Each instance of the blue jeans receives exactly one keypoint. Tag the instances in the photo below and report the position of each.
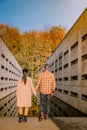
(45, 103)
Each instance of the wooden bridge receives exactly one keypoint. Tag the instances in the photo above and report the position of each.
(55, 123)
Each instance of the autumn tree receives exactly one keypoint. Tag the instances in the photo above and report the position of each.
(32, 49)
(11, 37)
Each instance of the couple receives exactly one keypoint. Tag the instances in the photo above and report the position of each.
(46, 83)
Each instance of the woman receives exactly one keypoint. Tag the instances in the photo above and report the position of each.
(24, 94)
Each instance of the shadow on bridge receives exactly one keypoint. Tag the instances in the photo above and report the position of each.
(70, 123)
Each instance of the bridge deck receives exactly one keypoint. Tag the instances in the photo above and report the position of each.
(59, 123)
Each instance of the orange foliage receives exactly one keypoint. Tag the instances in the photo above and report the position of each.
(32, 48)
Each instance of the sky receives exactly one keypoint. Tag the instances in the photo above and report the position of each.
(28, 15)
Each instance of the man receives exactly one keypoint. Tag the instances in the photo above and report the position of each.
(46, 83)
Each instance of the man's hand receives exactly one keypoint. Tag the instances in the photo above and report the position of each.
(52, 94)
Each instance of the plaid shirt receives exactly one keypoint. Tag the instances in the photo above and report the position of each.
(46, 82)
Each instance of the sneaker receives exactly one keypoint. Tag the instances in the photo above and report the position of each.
(25, 118)
(20, 118)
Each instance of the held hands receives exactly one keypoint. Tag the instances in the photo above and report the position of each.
(36, 88)
(35, 93)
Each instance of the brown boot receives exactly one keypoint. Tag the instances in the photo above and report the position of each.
(46, 117)
(41, 117)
